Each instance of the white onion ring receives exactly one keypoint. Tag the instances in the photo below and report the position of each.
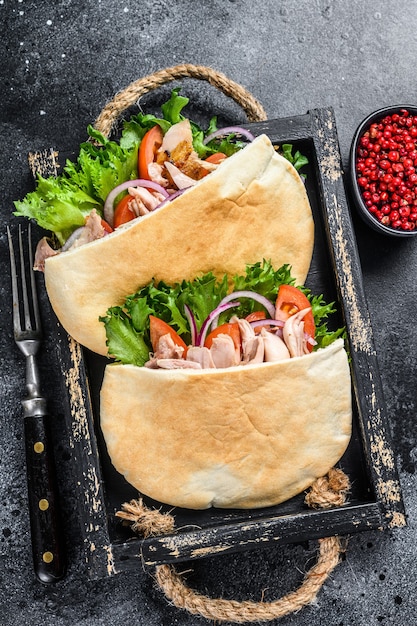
(108, 209)
(229, 130)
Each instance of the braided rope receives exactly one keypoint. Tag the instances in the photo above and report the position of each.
(330, 490)
(128, 96)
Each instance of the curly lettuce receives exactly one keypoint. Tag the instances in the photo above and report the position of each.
(61, 204)
(127, 326)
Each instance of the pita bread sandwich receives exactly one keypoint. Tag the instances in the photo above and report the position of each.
(181, 204)
(242, 413)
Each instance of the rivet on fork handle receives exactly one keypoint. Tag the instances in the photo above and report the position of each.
(47, 545)
(47, 539)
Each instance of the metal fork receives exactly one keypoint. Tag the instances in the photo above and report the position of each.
(47, 542)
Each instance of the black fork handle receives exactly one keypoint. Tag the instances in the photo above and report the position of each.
(45, 520)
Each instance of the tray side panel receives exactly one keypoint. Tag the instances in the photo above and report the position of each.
(365, 373)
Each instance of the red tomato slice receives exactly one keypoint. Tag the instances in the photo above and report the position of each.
(254, 317)
(106, 226)
(123, 213)
(231, 329)
(290, 300)
(158, 328)
(151, 141)
(216, 159)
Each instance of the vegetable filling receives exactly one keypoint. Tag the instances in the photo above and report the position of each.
(198, 324)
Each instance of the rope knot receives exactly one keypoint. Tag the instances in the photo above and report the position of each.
(330, 490)
(144, 521)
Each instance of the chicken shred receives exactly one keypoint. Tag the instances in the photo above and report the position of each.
(43, 251)
(177, 150)
(223, 351)
(293, 333)
(175, 364)
(252, 344)
(274, 346)
(201, 355)
(92, 230)
(166, 350)
(144, 201)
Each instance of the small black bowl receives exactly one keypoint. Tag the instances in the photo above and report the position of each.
(355, 189)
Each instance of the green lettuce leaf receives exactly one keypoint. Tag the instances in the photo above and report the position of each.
(297, 159)
(60, 204)
(123, 340)
(127, 326)
(57, 206)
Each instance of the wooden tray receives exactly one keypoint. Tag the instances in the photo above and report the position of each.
(375, 501)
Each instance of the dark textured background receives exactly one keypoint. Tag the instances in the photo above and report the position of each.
(59, 64)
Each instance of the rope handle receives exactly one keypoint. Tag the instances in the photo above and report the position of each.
(327, 491)
(128, 96)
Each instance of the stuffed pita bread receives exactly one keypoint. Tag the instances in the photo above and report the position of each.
(241, 437)
(253, 206)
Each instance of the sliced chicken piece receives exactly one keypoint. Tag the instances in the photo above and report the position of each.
(166, 349)
(200, 355)
(177, 150)
(181, 180)
(43, 252)
(274, 347)
(187, 160)
(252, 344)
(155, 171)
(178, 134)
(223, 351)
(93, 229)
(293, 333)
(144, 201)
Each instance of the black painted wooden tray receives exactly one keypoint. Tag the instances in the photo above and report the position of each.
(375, 501)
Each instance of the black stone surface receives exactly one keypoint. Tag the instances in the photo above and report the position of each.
(60, 63)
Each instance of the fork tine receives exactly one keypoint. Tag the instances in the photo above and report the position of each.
(15, 293)
(35, 320)
(29, 300)
(26, 312)
(33, 283)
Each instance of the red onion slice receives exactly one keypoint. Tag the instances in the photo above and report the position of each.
(267, 304)
(229, 130)
(174, 195)
(211, 318)
(108, 209)
(76, 234)
(193, 326)
(267, 322)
